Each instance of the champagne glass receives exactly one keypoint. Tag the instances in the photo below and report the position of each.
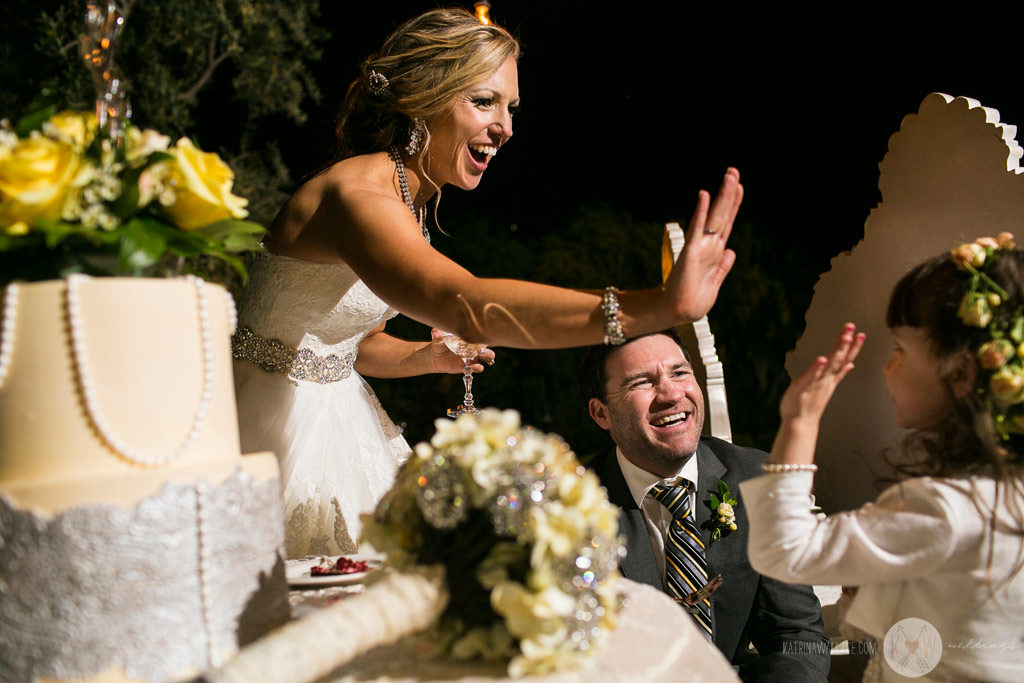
(467, 351)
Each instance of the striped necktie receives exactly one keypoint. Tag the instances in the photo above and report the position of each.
(686, 568)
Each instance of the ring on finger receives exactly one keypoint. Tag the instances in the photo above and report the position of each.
(710, 232)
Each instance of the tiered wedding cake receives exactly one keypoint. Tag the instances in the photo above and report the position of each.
(136, 542)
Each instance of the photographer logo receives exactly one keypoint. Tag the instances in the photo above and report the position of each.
(912, 647)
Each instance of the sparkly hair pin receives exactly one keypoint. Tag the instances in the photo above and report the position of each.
(1001, 354)
(378, 84)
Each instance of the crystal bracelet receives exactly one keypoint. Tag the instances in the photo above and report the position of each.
(613, 334)
(789, 467)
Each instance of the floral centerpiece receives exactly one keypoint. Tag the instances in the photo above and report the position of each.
(71, 201)
(526, 535)
(500, 546)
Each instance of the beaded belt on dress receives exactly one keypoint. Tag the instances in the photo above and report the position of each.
(273, 356)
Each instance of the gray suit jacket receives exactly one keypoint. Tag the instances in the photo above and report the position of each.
(747, 607)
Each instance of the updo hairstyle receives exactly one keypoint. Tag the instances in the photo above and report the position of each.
(427, 62)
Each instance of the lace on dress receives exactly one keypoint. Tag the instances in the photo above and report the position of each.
(337, 448)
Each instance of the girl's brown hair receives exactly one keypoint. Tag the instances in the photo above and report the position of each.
(928, 298)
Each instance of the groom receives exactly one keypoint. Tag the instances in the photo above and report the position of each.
(645, 395)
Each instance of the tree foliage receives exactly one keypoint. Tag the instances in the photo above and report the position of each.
(231, 73)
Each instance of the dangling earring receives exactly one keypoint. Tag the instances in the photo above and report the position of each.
(417, 131)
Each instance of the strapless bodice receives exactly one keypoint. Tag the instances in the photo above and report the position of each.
(323, 307)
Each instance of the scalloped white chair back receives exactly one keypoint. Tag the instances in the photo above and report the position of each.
(701, 344)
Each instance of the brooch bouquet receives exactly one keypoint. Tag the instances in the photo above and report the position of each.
(70, 201)
(526, 536)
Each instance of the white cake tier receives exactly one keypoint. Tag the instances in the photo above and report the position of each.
(159, 590)
(142, 344)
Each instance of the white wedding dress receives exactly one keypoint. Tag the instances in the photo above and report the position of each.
(299, 327)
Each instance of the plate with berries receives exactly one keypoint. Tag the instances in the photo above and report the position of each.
(329, 570)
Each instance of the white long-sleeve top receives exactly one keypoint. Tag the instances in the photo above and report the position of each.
(924, 549)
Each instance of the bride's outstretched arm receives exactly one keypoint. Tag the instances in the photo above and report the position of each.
(383, 244)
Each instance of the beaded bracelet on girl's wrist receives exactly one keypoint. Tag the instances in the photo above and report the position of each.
(771, 467)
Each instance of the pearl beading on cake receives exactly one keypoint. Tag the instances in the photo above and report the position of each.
(85, 381)
(203, 564)
(7, 330)
(232, 315)
(271, 355)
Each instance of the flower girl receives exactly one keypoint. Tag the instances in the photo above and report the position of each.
(937, 557)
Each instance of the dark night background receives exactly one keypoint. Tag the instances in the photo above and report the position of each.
(630, 108)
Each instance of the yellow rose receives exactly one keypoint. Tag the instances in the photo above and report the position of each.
(1007, 385)
(528, 614)
(35, 177)
(972, 254)
(975, 311)
(201, 184)
(139, 142)
(995, 354)
(77, 127)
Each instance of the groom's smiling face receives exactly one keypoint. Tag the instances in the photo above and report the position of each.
(654, 408)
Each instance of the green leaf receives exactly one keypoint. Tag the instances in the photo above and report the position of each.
(1017, 331)
(142, 245)
(187, 243)
(241, 243)
(239, 266)
(34, 120)
(723, 490)
(235, 235)
(732, 501)
(55, 232)
(154, 158)
(128, 202)
(714, 502)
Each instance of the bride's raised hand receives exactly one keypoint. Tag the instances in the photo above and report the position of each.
(809, 393)
(693, 284)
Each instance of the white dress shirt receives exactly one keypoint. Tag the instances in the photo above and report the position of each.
(657, 516)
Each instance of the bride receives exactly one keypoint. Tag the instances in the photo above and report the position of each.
(350, 250)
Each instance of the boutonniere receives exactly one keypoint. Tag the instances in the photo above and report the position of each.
(723, 513)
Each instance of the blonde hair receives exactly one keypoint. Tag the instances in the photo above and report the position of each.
(427, 62)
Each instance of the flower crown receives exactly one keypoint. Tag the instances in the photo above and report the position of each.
(1001, 357)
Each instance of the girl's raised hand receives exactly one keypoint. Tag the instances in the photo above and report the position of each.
(693, 284)
(809, 393)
